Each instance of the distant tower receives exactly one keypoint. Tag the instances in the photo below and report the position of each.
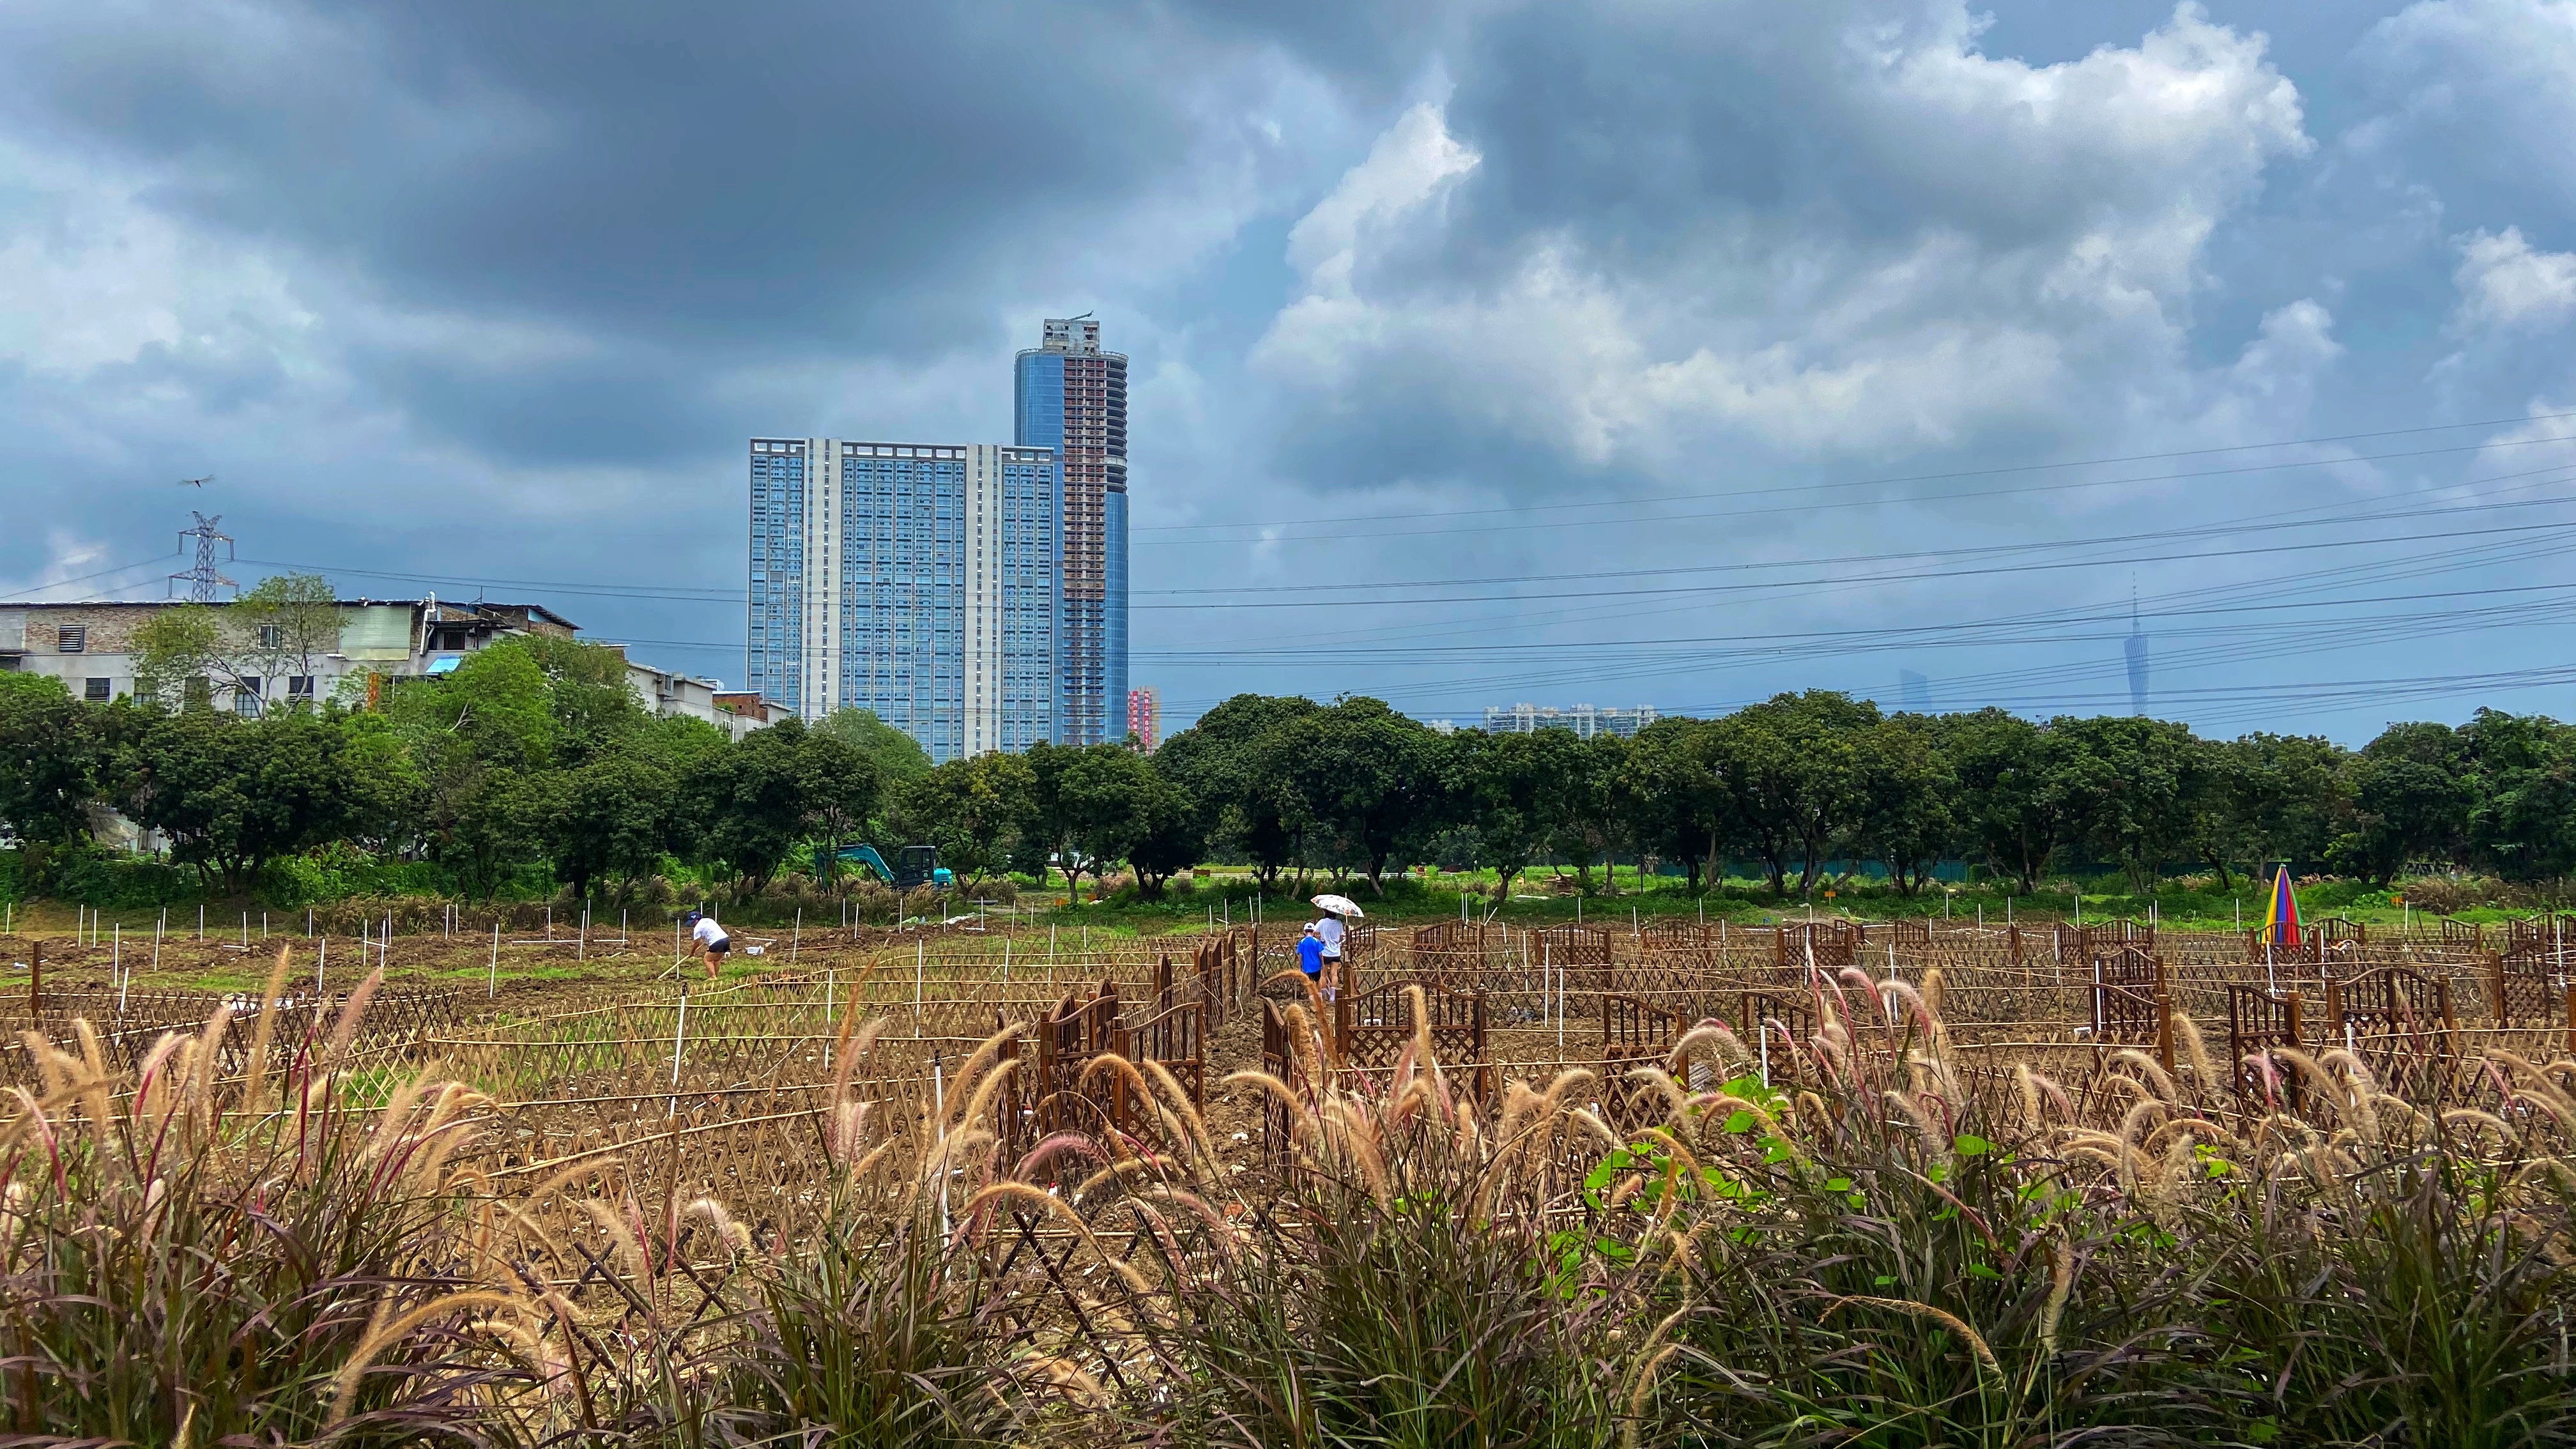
(2135, 646)
(1145, 716)
(202, 580)
(1914, 691)
(1069, 395)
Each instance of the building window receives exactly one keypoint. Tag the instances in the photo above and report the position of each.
(299, 686)
(72, 638)
(94, 689)
(272, 636)
(246, 698)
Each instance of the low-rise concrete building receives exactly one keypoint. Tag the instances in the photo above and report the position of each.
(92, 648)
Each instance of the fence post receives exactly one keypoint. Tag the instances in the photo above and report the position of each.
(36, 982)
(679, 1041)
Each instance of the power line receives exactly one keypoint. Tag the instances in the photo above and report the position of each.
(1914, 477)
(1872, 578)
(1806, 507)
(688, 594)
(2553, 473)
(124, 568)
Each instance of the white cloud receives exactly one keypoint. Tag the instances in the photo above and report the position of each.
(2057, 223)
(2506, 67)
(1411, 165)
(91, 276)
(2505, 283)
(69, 559)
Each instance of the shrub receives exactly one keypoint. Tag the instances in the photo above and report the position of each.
(186, 1259)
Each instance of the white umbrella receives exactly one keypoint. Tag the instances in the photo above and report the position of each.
(1339, 905)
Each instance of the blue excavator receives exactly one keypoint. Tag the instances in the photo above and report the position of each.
(920, 865)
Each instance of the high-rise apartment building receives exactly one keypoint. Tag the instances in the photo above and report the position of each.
(1145, 716)
(1071, 397)
(915, 580)
(1585, 720)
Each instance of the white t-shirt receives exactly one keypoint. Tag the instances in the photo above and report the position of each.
(1330, 928)
(708, 933)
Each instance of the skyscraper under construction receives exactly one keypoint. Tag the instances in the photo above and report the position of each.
(1070, 397)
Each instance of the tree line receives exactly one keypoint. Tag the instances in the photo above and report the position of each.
(533, 760)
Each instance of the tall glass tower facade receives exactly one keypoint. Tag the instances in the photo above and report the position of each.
(1070, 397)
(915, 580)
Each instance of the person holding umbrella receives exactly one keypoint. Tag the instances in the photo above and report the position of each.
(1331, 930)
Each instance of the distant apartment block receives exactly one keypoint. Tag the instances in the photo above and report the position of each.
(1071, 397)
(915, 580)
(1145, 717)
(1584, 719)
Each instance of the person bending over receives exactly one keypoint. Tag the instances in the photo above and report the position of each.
(711, 941)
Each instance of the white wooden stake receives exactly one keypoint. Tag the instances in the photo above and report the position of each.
(679, 1040)
(492, 978)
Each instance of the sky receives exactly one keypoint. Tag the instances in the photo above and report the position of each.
(1625, 352)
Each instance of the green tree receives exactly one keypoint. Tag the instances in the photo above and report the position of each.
(1681, 806)
(841, 788)
(1505, 786)
(233, 794)
(50, 758)
(487, 822)
(180, 656)
(591, 706)
(898, 757)
(1247, 801)
(972, 810)
(1907, 788)
(2125, 786)
(610, 818)
(1369, 778)
(2270, 798)
(2003, 805)
(1592, 803)
(284, 627)
(2522, 816)
(1169, 833)
(496, 706)
(750, 802)
(2411, 800)
(1791, 766)
(1100, 804)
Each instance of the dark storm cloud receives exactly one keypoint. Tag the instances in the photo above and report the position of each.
(793, 175)
(547, 265)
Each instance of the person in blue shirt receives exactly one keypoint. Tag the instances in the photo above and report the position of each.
(1310, 957)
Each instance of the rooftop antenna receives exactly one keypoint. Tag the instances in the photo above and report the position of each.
(203, 580)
